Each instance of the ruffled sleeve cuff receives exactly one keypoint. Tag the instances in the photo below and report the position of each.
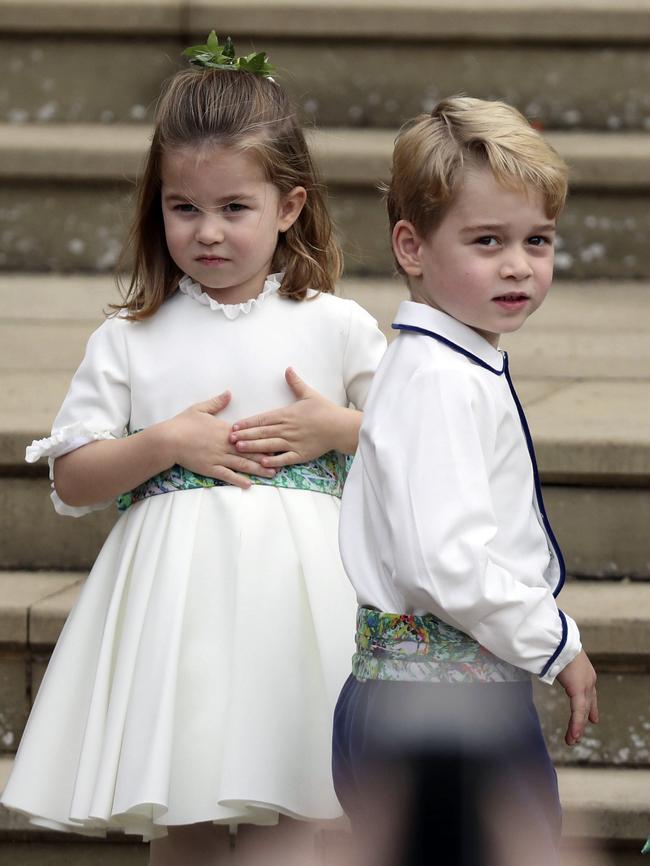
(61, 442)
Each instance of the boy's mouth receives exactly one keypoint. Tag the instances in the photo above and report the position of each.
(512, 300)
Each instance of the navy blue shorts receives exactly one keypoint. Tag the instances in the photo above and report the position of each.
(464, 765)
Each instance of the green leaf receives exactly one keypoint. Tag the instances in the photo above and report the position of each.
(229, 48)
(213, 42)
(215, 56)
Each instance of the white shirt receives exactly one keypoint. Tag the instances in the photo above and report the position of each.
(442, 511)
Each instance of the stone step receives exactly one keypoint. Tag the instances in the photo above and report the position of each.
(614, 619)
(605, 822)
(67, 195)
(346, 63)
(590, 342)
(602, 530)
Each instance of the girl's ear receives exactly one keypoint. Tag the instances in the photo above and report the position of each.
(290, 206)
(406, 246)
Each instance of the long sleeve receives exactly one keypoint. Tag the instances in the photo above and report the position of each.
(431, 461)
(97, 405)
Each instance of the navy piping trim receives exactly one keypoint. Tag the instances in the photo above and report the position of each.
(538, 483)
(451, 345)
(565, 632)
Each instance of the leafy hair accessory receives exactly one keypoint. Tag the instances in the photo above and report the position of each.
(213, 55)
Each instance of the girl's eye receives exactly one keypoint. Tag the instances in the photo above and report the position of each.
(185, 208)
(234, 207)
(540, 241)
(487, 241)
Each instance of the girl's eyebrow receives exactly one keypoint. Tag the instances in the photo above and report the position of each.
(227, 199)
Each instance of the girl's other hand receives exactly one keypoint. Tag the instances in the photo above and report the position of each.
(200, 442)
(578, 680)
(299, 432)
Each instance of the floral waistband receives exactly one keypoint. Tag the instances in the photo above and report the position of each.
(402, 647)
(326, 474)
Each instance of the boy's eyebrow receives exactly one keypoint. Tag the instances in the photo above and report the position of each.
(490, 227)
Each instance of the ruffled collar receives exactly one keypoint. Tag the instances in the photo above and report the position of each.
(193, 290)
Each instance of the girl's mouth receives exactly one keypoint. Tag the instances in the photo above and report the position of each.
(211, 260)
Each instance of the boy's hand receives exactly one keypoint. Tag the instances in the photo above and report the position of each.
(579, 682)
(200, 442)
(299, 432)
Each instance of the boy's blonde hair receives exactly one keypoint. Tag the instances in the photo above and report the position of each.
(253, 114)
(432, 150)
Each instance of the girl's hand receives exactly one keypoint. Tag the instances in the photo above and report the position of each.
(200, 442)
(579, 682)
(300, 431)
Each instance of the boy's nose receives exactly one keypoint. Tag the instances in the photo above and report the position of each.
(516, 267)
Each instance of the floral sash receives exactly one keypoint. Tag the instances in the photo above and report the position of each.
(402, 647)
(326, 474)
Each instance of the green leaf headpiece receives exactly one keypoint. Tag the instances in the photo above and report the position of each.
(213, 55)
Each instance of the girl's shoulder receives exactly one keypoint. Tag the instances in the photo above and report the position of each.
(335, 307)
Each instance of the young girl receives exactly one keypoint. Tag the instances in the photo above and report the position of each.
(195, 680)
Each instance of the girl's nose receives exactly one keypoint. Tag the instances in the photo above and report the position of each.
(209, 229)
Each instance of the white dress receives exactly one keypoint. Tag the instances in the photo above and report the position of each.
(196, 677)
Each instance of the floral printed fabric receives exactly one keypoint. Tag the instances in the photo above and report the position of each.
(326, 474)
(401, 647)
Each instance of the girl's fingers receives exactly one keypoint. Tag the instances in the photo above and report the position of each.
(250, 467)
(215, 404)
(264, 420)
(299, 387)
(286, 458)
(263, 446)
(222, 473)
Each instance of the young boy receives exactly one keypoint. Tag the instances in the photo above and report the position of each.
(443, 529)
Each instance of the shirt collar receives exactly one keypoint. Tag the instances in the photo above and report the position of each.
(412, 316)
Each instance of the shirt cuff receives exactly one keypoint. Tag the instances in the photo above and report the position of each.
(567, 649)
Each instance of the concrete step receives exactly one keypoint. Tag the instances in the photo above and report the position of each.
(67, 195)
(614, 619)
(581, 365)
(346, 63)
(605, 821)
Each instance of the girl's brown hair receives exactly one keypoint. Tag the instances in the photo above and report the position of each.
(248, 112)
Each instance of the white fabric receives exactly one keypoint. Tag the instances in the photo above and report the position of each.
(196, 677)
(439, 513)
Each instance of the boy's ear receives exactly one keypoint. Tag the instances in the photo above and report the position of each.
(406, 246)
(290, 206)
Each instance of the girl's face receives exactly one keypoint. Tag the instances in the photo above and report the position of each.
(222, 219)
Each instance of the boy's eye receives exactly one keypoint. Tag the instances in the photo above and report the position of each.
(540, 241)
(487, 240)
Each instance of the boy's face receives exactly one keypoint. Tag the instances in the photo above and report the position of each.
(489, 263)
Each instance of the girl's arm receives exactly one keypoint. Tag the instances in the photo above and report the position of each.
(194, 439)
(300, 431)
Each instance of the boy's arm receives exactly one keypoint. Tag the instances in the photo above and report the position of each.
(432, 461)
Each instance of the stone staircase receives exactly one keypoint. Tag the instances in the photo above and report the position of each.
(79, 79)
